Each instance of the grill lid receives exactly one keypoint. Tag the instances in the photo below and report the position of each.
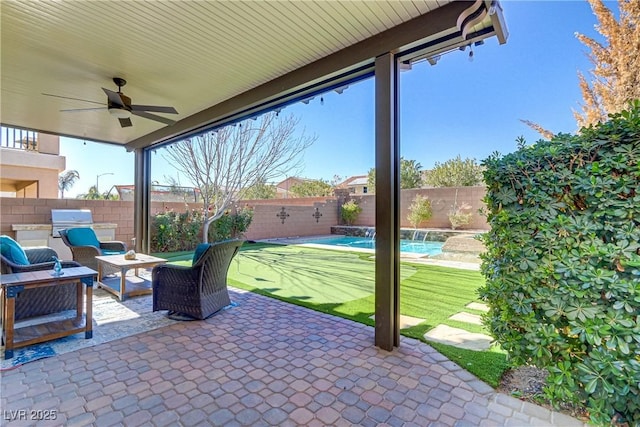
(66, 218)
(82, 216)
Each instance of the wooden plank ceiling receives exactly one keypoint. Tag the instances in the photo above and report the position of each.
(189, 55)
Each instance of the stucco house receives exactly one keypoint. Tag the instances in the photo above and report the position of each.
(358, 184)
(30, 163)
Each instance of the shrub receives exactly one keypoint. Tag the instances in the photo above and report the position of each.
(419, 211)
(457, 215)
(562, 265)
(350, 212)
(231, 225)
(172, 231)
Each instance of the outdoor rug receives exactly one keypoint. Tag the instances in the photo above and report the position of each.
(112, 320)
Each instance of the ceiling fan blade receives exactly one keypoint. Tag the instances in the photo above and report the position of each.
(114, 97)
(82, 109)
(154, 108)
(75, 99)
(153, 117)
(125, 123)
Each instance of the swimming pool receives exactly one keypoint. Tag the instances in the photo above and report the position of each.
(416, 247)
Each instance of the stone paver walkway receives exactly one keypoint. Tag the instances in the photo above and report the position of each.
(457, 337)
(478, 306)
(465, 317)
(461, 338)
(261, 363)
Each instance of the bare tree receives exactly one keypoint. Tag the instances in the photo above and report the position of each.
(222, 162)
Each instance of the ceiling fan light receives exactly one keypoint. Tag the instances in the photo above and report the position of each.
(120, 113)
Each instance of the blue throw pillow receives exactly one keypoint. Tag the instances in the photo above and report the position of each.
(11, 250)
(202, 247)
(83, 237)
(108, 252)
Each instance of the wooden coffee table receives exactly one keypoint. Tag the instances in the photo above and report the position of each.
(126, 286)
(13, 284)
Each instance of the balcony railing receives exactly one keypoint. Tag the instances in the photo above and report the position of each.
(19, 139)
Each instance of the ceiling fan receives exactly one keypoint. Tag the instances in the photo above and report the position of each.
(119, 105)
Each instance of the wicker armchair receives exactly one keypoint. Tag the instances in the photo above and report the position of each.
(197, 291)
(42, 301)
(85, 254)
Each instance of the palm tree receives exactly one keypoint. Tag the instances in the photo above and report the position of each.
(92, 194)
(66, 181)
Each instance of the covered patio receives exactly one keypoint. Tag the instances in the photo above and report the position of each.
(264, 362)
(219, 63)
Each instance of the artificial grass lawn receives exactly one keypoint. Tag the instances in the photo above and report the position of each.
(343, 283)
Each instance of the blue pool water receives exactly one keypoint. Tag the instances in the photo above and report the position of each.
(416, 247)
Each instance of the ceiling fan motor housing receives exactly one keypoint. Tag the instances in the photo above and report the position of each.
(122, 111)
(119, 82)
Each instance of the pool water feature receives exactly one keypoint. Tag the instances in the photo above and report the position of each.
(411, 246)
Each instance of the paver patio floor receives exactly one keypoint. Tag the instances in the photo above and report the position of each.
(261, 363)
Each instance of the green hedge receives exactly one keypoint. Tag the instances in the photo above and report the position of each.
(563, 263)
(173, 231)
(231, 225)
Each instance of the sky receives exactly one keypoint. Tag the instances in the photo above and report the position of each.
(457, 107)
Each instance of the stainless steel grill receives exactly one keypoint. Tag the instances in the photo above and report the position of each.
(69, 218)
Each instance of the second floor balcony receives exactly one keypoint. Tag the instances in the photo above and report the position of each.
(30, 163)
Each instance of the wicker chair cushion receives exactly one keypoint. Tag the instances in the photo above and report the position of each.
(200, 250)
(82, 237)
(13, 251)
(106, 252)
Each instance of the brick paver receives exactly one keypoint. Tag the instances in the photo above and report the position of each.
(263, 362)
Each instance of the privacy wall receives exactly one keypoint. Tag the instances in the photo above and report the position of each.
(442, 201)
(272, 218)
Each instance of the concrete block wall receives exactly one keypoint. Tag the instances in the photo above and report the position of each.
(158, 207)
(293, 201)
(368, 215)
(301, 221)
(267, 224)
(442, 200)
(266, 220)
(38, 211)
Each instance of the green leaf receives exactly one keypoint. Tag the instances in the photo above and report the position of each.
(591, 385)
(562, 266)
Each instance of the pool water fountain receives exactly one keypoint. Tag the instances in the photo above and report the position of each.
(417, 233)
(370, 232)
